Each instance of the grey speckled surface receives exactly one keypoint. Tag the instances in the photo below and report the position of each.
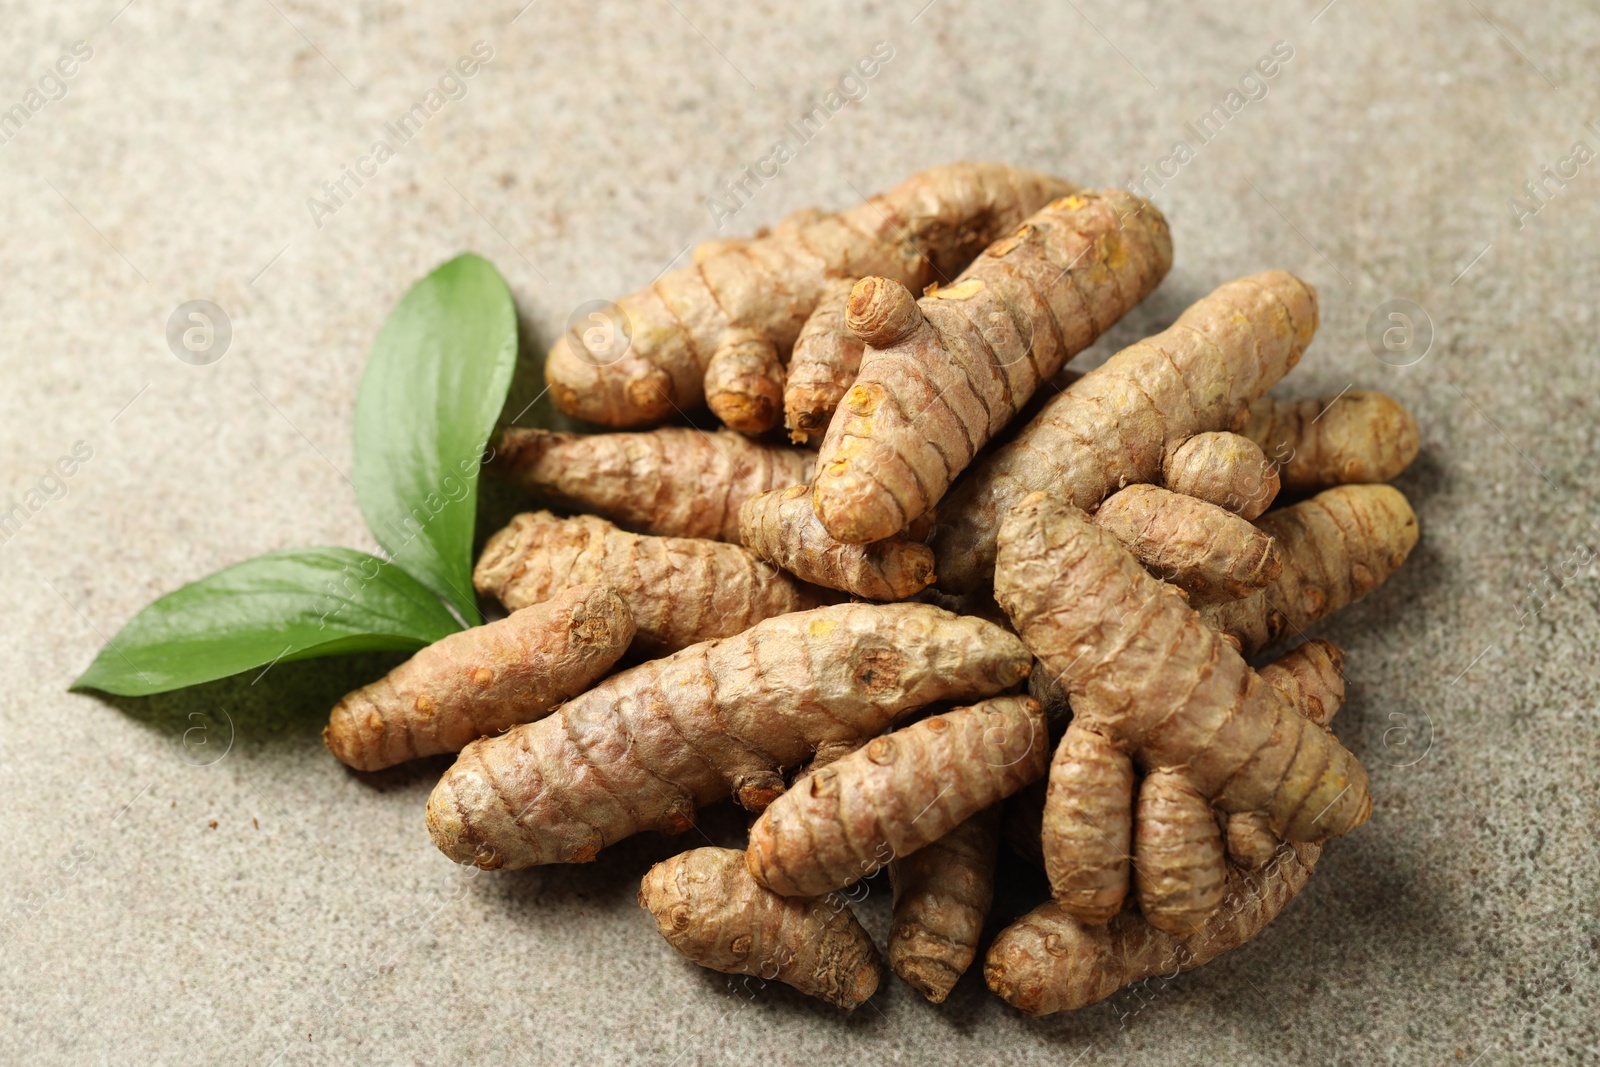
(272, 908)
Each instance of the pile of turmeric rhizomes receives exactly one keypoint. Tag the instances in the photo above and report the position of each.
(945, 629)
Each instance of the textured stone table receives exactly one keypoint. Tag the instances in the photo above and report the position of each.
(173, 898)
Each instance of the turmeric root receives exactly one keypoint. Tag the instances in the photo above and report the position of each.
(482, 681)
(1050, 961)
(824, 363)
(669, 482)
(1090, 830)
(1336, 547)
(709, 908)
(896, 794)
(943, 375)
(942, 894)
(781, 528)
(1311, 678)
(922, 230)
(1211, 554)
(1179, 871)
(1156, 684)
(1250, 841)
(1089, 775)
(1086, 826)
(1224, 469)
(1357, 436)
(1116, 425)
(645, 748)
(680, 589)
(744, 383)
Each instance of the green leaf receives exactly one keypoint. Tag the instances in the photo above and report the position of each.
(434, 384)
(282, 606)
